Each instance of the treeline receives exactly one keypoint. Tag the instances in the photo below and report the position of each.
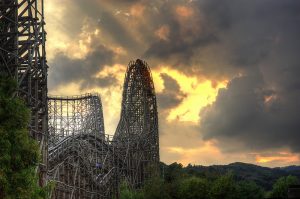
(262, 176)
(176, 182)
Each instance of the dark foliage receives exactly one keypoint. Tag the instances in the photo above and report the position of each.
(19, 154)
(262, 176)
(234, 181)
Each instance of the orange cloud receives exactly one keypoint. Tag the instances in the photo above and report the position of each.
(191, 23)
(184, 11)
(119, 50)
(283, 157)
(163, 32)
(269, 98)
(137, 10)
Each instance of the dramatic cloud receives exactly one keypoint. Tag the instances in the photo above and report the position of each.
(171, 96)
(260, 109)
(67, 70)
(195, 48)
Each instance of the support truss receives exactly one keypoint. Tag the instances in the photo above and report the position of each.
(137, 131)
(81, 159)
(23, 57)
(86, 163)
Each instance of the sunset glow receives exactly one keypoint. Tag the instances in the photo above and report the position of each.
(224, 89)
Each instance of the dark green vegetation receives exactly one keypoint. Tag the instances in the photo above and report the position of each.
(262, 176)
(234, 181)
(281, 185)
(19, 154)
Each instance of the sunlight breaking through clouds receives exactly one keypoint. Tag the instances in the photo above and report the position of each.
(201, 47)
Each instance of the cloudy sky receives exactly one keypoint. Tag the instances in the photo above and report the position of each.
(226, 72)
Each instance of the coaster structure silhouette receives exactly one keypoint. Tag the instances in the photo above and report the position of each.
(84, 161)
(77, 155)
(81, 159)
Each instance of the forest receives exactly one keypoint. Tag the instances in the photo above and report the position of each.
(213, 182)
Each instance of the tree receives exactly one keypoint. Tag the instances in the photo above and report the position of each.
(19, 154)
(224, 188)
(249, 190)
(193, 188)
(155, 189)
(280, 188)
(173, 172)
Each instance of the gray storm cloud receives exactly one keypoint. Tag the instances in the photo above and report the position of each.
(260, 109)
(171, 96)
(66, 70)
(253, 44)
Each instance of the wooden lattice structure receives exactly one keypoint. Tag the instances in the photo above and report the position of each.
(137, 130)
(23, 57)
(76, 153)
(84, 161)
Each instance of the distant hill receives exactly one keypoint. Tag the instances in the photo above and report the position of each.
(263, 176)
(291, 168)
